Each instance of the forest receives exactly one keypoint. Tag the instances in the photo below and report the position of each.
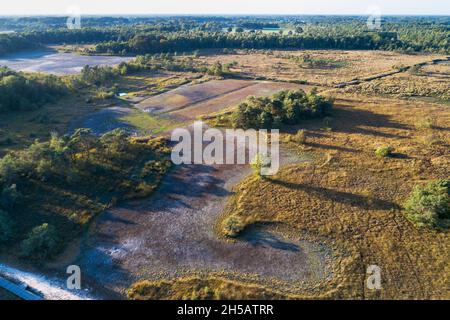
(183, 34)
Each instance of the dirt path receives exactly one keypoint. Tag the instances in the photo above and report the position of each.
(171, 234)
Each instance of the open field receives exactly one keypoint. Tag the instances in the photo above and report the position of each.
(21, 129)
(310, 231)
(339, 66)
(347, 201)
(190, 94)
(430, 81)
(354, 199)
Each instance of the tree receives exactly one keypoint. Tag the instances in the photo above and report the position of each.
(7, 227)
(10, 197)
(41, 243)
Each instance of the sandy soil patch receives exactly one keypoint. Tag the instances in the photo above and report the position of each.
(190, 94)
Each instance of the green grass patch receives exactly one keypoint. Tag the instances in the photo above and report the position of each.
(148, 123)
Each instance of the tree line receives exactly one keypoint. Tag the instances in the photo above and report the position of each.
(179, 34)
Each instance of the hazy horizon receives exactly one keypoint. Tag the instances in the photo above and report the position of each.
(229, 7)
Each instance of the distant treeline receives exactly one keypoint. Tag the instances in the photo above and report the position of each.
(180, 34)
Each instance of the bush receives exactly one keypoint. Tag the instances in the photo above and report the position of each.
(384, 151)
(429, 205)
(259, 163)
(7, 227)
(299, 137)
(232, 226)
(427, 123)
(328, 123)
(41, 243)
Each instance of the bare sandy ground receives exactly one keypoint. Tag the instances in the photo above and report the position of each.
(230, 99)
(172, 234)
(102, 121)
(187, 95)
(56, 62)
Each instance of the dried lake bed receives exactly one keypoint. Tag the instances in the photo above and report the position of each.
(59, 63)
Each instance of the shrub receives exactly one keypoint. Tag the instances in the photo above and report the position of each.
(259, 163)
(299, 137)
(232, 226)
(431, 140)
(429, 205)
(384, 151)
(427, 123)
(41, 243)
(328, 123)
(7, 227)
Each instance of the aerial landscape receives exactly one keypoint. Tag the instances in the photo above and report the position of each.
(97, 202)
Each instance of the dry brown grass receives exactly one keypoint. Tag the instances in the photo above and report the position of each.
(280, 65)
(354, 199)
(432, 81)
(209, 288)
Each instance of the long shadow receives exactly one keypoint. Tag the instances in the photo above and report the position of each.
(111, 217)
(102, 270)
(339, 196)
(330, 147)
(356, 118)
(184, 186)
(265, 239)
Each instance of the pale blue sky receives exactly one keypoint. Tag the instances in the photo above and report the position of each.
(61, 7)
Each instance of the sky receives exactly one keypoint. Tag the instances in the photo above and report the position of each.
(117, 7)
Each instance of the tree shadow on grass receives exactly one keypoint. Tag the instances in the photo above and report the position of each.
(330, 147)
(339, 196)
(350, 120)
(258, 237)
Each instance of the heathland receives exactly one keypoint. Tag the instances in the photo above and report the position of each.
(86, 177)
